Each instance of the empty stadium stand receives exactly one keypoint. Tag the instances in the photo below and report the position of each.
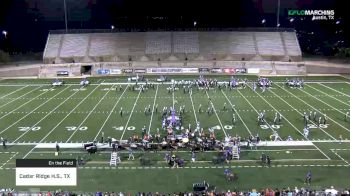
(74, 45)
(269, 44)
(53, 46)
(172, 46)
(291, 45)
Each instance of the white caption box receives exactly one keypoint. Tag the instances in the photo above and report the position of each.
(43, 176)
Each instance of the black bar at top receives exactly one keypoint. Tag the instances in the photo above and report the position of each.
(46, 163)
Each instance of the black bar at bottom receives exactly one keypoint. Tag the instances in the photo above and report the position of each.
(46, 163)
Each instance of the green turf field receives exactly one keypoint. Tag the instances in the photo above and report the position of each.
(32, 112)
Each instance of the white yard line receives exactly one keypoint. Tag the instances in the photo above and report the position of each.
(217, 116)
(314, 108)
(341, 157)
(19, 97)
(323, 113)
(239, 116)
(322, 102)
(154, 102)
(173, 99)
(46, 115)
(13, 92)
(33, 110)
(87, 116)
(60, 122)
(110, 113)
(276, 111)
(329, 95)
(194, 110)
(127, 122)
(334, 90)
(301, 114)
(293, 126)
(13, 156)
(254, 109)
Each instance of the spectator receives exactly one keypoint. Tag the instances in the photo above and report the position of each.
(253, 193)
(331, 191)
(308, 177)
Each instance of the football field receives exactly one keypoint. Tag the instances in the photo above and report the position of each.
(33, 114)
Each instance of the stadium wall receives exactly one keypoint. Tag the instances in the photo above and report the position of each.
(20, 71)
(323, 67)
(203, 67)
(122, 68)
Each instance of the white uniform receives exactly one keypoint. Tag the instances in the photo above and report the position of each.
(306, 133)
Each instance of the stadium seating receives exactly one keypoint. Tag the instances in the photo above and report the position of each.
(172, 46)
(158, 43)
(74, 45)
(291, 44)
(241, 43)
(53, 45)
(269, 43)
(103, 44)
(185, 42)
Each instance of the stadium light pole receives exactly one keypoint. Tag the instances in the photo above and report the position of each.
(4, 33)
(65, 14)
(278, 13)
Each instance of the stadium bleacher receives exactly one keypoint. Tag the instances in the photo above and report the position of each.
(172, 46)
(242, 43)
(291, 45)
(103, 44)
(158, 43)
(52, 45)
(185, 42)
(269, 43)
(74, 45)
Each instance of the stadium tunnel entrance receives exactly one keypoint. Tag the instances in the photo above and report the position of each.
(86, 69)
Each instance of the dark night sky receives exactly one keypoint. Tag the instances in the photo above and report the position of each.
(28, 21)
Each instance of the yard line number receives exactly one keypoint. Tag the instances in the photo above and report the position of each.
(121, 128)
(272, 126)
(78, 89)
(29, 128)
(47, 89)
(73, 128)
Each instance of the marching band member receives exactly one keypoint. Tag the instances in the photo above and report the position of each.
(131, 155)
(306, 132)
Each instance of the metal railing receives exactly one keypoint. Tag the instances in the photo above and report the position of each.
(116, 30)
